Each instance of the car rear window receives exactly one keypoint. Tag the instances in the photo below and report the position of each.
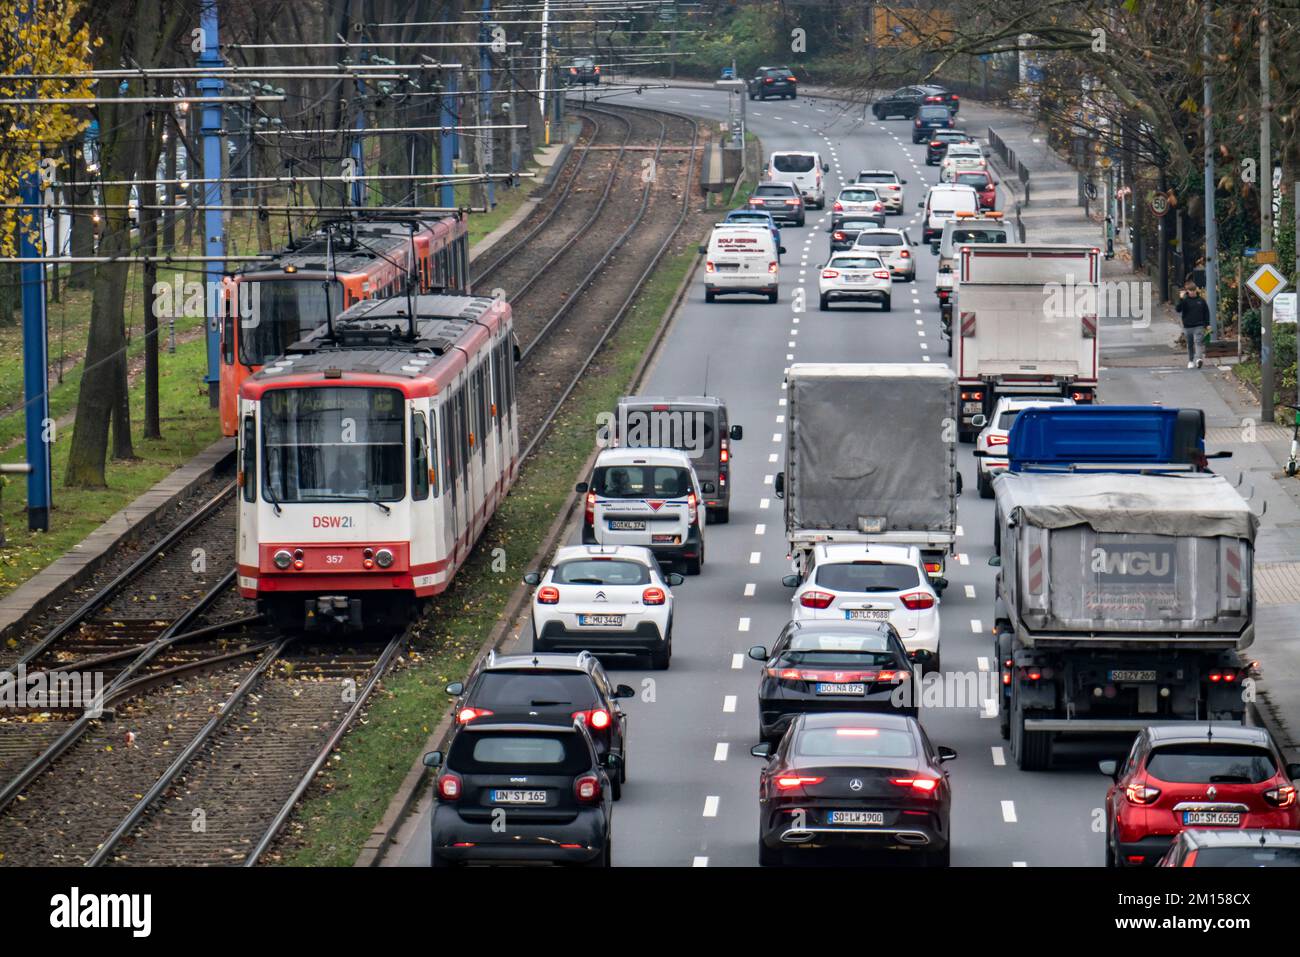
(690, 430)
(761, 218)
(601, 571)
(1253, 856)
(855, 743)
(856, 224)
(641, 481)
(950, 136)
(870, 649)
(976, 179)
(485, 752)
(773, 189)
(866, 576)
(934, 112)
(877, 178)
(858, 195)
(1006, 418)
(793, 162)
(879, 239)
(855, 262)
(505, 691)
(1211, 764)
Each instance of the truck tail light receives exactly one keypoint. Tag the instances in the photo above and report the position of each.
(933, 568)
(725, 454)
(548, 595)
(917, 600)
(771, 268)
(708, 266)
(816, 599)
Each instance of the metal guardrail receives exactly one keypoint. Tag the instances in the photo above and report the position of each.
(1010, 161)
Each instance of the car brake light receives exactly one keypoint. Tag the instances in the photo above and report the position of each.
(881, 274)
(917, 121)
(997, 439)
(789, 782)
(925, 785)
(816, 599)
(653, 596)
(692, 504)
(878, 207)
(725, 454)
(769, 80)
(838, 236)
(449, 786)
(837, 206)
(587, 789)
(590, 515)
(936, 143)
(548, 595)
(904, 254)
(1282, 796)
(466, 715)
(772, 267)
(792, 79)
(830, 274)
(1141, 794)
(793, 202)
(917, 600)
(708, 266)
(597, 718)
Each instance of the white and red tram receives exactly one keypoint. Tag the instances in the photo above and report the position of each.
(371, 457)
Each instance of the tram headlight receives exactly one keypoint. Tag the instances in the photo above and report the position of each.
(384, 558)
(282, 559)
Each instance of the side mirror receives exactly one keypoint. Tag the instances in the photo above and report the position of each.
(790, 581)
(995, 561)
(934, 247)
(532, 578)
(758, 653)
(674, 579)
(946, 753)
(979, 420)
(456, 688)
(826, 167)
(580, 487)
(920, 205)
(704, 249)
(737, 433)
(624, 691)
(613, 762)
(433, 759)
(763, 750)
(782, 250)
(709, 487)
(779, 485)
(1109, 768)
(903, 181)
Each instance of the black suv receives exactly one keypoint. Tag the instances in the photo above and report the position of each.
(773, 81)
(583, 70)
(937, 146)
(550, 687)
(527, 790)
(929, 119)
(907, 100)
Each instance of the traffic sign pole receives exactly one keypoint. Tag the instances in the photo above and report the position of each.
(1265, 215)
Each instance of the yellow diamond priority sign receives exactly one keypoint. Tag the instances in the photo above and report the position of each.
(1266, 282)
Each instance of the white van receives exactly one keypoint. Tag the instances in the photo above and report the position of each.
(943, 203)
(741, 258)
(803, 169)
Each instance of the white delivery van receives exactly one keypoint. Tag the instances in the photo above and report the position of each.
(741, 258)
(942, 203)
(803, 169)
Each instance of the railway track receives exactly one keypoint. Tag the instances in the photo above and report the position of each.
(207, 770)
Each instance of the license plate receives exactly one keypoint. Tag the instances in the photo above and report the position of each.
(601, 620)
(500, 796)
(867, 614)
(623, 525)
(857, 817)
(1132, 676)
(826, 687)
(1211, 817)
(727, 267)
(664, 539)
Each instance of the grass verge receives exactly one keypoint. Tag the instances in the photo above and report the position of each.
(333, 821)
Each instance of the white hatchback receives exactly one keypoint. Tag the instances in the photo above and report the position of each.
(961, 156)
(860, 277)
(606, 599)
(991, 444)
(847, 582)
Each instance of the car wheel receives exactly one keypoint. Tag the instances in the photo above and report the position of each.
(801, 220)
(770, 857)
(660, 660)
(1031, 749)
(875, 111)
(437, 860)
(825, 304)
(709, 295)
(885, 305)
(616, 788)
(772, 296)
(940, 858)
(933, 666)
(1111, 859)
(985, 484)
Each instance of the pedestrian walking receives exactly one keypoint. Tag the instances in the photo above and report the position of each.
(1110, 237)
(1196, 317)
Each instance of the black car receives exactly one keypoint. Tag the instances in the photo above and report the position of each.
(550, 687)
(861, 782)
(782, 200)
(820, 666)
(937, 147)
(907, 100)
(928, 120)
(526, 791)
(773, 81)
(842, 237)
(582, 71)
(1233, 847)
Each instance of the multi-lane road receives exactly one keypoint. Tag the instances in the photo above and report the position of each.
(691, 797)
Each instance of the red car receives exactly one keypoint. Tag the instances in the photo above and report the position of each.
(983, 184)
(1195, 775)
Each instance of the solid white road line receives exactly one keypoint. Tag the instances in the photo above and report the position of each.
(729, 704)
(1009, 811)
(720, 751)
(999, 757)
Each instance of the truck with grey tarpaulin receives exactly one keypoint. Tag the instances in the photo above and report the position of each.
(1123, 600)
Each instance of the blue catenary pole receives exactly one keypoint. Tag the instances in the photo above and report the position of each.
(35, 350)
(447, 142)
(485, 88)
(214, 226)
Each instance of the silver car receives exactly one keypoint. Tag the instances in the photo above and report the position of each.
(894, 249)
(855, 277)
(888, 184)
(858, 202)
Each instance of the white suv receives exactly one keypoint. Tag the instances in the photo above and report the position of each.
(992, 440)
(648, 497)
(858, 276)
(848, 582)
(606, 599)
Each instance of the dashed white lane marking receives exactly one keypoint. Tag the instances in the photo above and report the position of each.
(780, 420)
(711, 806)
(926, 358)
(760, 529)
(702, 861)
(767, 480)
(729, 704)
(925, 345)
(917, 311)
(764, 502)
(755, 557)
(720, 751)
(981, 662)
(789, 357)
(743, 625)
(970, 591)
(960, 531)
(773, 459)
(920, 321)
(999, 756)
(780, 402)
(976, 626)
(776, 436)
(963, 558)
(749, 589)
(737, 661)
(1009, 811)
(920, 332)
(1019, 864)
